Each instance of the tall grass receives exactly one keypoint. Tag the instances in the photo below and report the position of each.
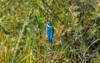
(23, 38)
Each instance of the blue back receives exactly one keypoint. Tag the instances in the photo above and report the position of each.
(49, 31)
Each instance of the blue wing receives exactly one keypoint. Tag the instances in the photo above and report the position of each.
(50, 33)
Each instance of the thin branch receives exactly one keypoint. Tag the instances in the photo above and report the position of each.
(92, 44)
(50, 11)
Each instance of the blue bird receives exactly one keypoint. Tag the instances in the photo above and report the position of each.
(49, 31)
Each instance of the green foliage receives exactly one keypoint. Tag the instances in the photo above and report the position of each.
(22, 31)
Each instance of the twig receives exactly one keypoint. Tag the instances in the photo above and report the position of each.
(92, 44)
(50, 11)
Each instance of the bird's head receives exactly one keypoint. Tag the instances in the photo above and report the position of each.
(49, 23)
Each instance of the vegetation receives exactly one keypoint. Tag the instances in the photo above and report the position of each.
(76, 37)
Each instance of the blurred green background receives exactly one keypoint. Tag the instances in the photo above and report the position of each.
(76, 38)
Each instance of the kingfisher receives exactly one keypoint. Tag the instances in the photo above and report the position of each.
(49, 31)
